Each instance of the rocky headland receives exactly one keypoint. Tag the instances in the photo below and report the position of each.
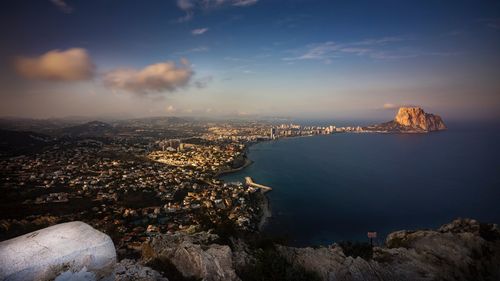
(410, 120)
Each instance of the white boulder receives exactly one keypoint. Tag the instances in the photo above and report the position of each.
(47, 253)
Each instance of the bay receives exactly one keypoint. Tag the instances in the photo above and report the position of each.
(340, 186)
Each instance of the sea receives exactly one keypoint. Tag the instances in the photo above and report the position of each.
(338, 187)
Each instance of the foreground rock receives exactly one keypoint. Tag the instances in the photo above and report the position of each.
(411, 120)
(461, 250)
(194, 256)
(130, 270)
(65, 249)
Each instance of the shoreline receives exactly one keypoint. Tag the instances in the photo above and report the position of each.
(247, 163)
(265, 207)
(263, 200)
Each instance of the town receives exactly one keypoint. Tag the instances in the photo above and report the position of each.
(134, 183)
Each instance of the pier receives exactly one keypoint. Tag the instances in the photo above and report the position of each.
(249, 181)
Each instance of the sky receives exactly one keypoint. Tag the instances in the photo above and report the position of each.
(344, 59)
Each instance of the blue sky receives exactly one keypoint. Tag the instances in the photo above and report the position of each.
(299, 58)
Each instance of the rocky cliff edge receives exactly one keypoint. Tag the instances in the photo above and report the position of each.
(464, 249)
(461, 250)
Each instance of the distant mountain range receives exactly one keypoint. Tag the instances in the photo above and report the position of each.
(90, 129)
(17, 142)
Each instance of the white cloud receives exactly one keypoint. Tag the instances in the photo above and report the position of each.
(210, 4)
(63, 6)
(386, 48)
(242, 3)
(170, 109)
(390, 106)
(160, 77)
(193, 50)
(199, 31)
(354, 50)
(319, 51)
(185, 4)
(380, 41)
(70, 65)
(189, 6)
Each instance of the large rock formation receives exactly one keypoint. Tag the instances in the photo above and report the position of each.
(411, 120)
(61, 250)
(194, 256)
(416, 118)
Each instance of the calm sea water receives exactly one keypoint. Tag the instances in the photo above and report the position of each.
(338, 187)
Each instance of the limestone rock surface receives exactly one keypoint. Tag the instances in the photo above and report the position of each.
(410, 120)
(68, 247)
(194, 256)
(130, 270)
(416, 118)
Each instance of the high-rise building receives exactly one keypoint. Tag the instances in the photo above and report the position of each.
(273, 133)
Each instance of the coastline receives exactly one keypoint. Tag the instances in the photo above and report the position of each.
(265, 207)
(263, 201)
(247, 163)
